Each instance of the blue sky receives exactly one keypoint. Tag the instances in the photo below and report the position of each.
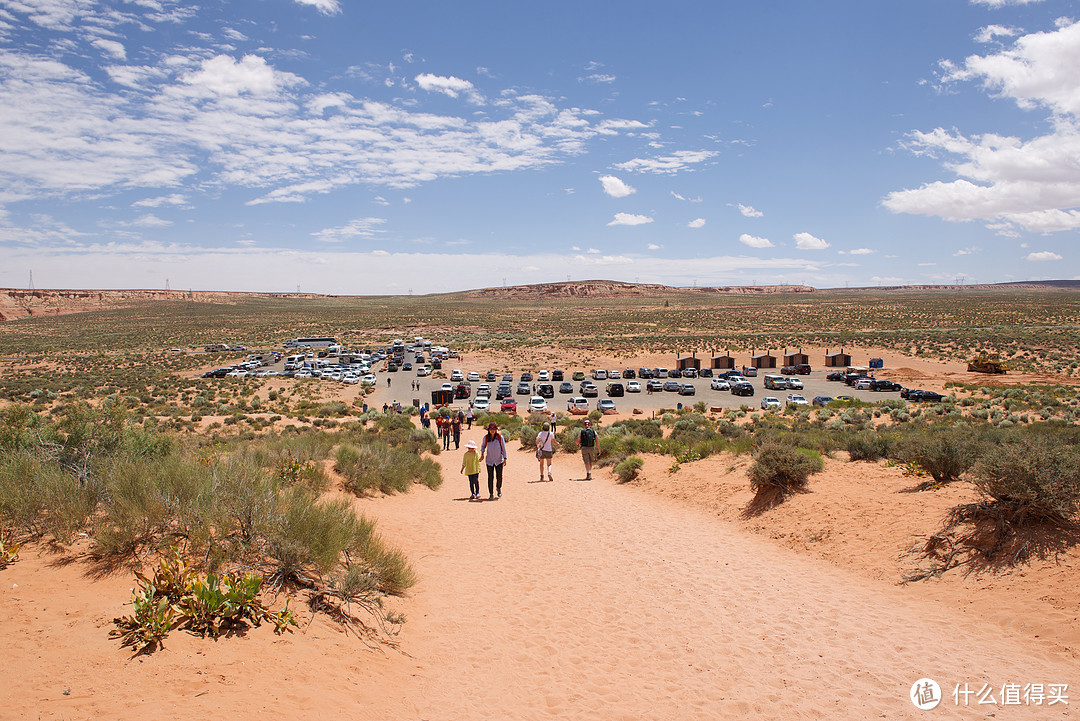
(345, 147)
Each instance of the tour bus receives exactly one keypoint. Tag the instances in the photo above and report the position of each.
(294, 362)
(776, 383)
(311, 342)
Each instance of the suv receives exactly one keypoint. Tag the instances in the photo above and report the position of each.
(803, 369)
(524, 389)
(687, 389)
(863, 384)
(509, 405)
(789, 370)
(884, 385)
(545, 390)
(742, 388)
(463, 390)
(719, 384)
(671, 386)
(557, 376)
(629, 373)
(615, 389)
(690, 373)
(577, 403)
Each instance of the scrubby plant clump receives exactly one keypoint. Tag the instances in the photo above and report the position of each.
(778, 465)
(1030, 483)
(628, 469)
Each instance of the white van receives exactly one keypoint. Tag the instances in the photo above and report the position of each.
(599, 374)
(661, 372)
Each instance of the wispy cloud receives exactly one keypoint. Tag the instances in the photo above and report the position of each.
(357, 228)
(696, 223)
(748, 211)
(667, 164)
(326, 7)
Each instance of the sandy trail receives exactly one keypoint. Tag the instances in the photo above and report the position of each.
(594, 601)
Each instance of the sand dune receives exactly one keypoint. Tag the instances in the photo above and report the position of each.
(571, 599)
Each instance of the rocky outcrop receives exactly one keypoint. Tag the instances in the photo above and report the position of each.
(616, 289)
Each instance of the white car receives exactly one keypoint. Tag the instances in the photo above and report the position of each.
(537, 403)
(447, 387)
(599, 374)
(423, 371)
(473, 377)
(863, 384)
(481, 403)
(484, 389)
(369, 379)
(236, 374)
(769, 403)
(732, 380)
(605, 404)
(633, 387)
(456, 375)
(350, 379)
(543, 376)
(614, 375)
(577, 403)
(797, 400)
(794, 384)
(302, 374)
(721, 384)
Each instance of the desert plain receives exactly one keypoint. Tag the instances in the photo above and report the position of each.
(651, 592)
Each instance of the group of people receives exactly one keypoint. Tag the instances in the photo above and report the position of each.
(492, 453)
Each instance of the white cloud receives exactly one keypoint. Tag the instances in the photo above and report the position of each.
(995, 4)
(805, 241)
(926, 265)
(111, 48)
(1033, 184)
(748, 211)
(654, 246)
(357, 228)
(447, 85)
(753, 242)
(175, 199)
(149, 221)
(615, 187)
(696, 223)
(600, 78)
(1042, 256)
(630, 219)
(966, 251)
(593, 251)
(224, 76)
(689, 200)
(326, 7)
(859, 251)
(988, 33)
(667, 164)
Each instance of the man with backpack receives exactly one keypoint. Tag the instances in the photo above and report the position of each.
(587, 443)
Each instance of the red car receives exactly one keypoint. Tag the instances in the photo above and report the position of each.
(509, 405)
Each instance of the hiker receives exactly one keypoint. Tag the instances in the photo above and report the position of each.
(455, 429)
(587, 443)
(470, 466)
(545, 449)
(469, 417)
(444, 430)
(494, 448)
(553, 422)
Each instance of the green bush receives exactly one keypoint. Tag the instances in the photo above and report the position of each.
(782, 468)
(627, 470)
(946, 453)
(1037, 481)
(867, 446)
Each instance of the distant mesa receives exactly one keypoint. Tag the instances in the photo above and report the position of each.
(617, 289)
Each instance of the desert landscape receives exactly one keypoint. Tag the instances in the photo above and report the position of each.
(722, 562)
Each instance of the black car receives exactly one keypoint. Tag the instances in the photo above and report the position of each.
(524, 389)
(671, 386)
(407, 366)
(526, 377)
(216, 373)
(491, 377)
(436, 364)
(546, 390)
(615, 389)
(556, 375)
(731, 374)
(674, 373)
(742, 389)
(502, 392)
(880, 384)
(705, 372)
(835, 376)
(821, 400)
(927, 396)
(851, 378)
(644, 373)
(392, 367)
(566, 387)
(629, 373)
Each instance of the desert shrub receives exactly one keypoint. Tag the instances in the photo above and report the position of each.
(946, 453)
(643, 428)
(375, 465)
(309, 537)
(627, 470)
(779, 469)
(1037, 481)
(527, 436)
(38, 497)
(867, 446)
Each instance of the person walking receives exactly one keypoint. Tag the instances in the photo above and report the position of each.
(387, 382)
(470, 466)
(469, 417)
(587, 443)
(455, 429)
(545, 449)
(444, 429)
(493, 453)
(553, 421)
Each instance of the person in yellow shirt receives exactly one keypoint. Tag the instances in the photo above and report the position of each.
(470, 466)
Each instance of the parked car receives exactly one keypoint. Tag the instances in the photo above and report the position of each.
(689, 373)
(687, 389)
(578, 403)
(599, 374)
(509, 405)
(407, 366)
(524, 389)
(881, 384)
(629, 373)
(732, 380)
(835, 376)
(473, 377)
(578, 376)
(537, 404)
(795, 384)
(589, 390)
(483, 390)
(508, 377)
(926, 396)
(863, 384)
(447, 387)
(543, 376)
(633, 387)
(675, 373)
(845, 399)
(654, 386)
(671, 386)
(545, 390)
(749, 371)
(481, 404)
(615, 389)
(526, 377)
(423, 371)
(556, 375)
(731, 374)
(852, 378)
(614, 375)
(821, 401)
(743, 388)
(605, 404)
(705, 373)
(719, 384)
(566, 387)
(456, 375)
(803, 369)
(644, 373)
(769, 403)
(795, 399)
(462, 390)
(503, 391)
(491, 377)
